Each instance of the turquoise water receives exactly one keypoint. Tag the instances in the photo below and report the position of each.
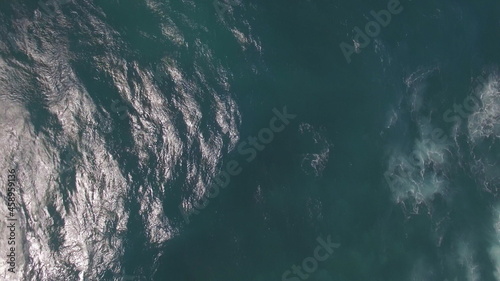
(149, 141)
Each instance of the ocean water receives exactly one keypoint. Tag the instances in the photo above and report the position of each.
(250, 140)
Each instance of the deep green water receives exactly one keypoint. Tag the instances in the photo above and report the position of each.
(119, 116)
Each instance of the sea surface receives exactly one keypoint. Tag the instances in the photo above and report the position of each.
(229, 140)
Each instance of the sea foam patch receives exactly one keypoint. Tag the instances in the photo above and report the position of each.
(418, 176)
(485, 121)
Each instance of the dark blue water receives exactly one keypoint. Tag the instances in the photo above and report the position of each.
(251, 141)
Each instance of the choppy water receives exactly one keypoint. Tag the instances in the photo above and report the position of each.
(121, 118)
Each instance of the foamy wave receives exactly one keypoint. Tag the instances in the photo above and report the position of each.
(415, 176)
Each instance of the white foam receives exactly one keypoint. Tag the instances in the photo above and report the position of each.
(315, 160)
(420, 173)
(485, 121)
